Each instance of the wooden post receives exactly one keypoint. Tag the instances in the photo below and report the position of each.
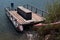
(12, 6)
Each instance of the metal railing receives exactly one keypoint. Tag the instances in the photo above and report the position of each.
(33, 9)
(36, 10)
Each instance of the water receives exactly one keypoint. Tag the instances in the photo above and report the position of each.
(7, 32)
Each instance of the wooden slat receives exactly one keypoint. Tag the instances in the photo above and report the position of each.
(17, 17)
(37, 17)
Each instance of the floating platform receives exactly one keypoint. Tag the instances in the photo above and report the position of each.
(23, 16)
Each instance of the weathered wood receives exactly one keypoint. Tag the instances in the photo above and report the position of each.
(37, 17)
(17, 17)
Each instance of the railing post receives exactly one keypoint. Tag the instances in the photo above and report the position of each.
(27, 6)
(42, 13)
(23, 5)
(36, 10)
(9, 8)
(31, 8)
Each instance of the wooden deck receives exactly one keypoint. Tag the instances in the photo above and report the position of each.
(37, 17)
(17, 17)
(21, 20)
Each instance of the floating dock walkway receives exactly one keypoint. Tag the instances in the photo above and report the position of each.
(23, 16)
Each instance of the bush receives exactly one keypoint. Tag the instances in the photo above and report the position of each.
(53, 12)
(53, 16)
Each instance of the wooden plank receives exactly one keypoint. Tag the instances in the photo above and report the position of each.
(37, 17)
(17, 17)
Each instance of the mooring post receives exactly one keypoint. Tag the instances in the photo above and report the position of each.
(12, 6)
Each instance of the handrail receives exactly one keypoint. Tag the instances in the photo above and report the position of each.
(35, 9)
